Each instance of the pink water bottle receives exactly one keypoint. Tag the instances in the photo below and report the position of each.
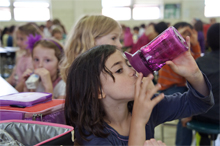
(151, 57)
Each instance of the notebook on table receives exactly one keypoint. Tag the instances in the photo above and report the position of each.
(9, 96)
(6, 88)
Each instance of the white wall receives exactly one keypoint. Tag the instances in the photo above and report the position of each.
(189, 9)
(69, 11)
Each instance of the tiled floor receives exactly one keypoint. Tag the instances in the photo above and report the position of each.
(169, 133)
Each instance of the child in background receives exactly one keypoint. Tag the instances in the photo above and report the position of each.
(135, 34)
(10, 40)
(4, 36)
(46, 54)
(105, 99)
(201, 39)
(57, 34)
(151, 32)
(89, 31)
(23, 57)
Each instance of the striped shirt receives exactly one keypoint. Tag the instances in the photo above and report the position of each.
(167, 77)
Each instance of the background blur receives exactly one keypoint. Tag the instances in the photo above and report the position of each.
(129, 12)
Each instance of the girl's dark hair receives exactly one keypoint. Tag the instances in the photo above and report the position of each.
(182, 24)
(160, 27)
(198, 25)
(83, 86)
(5, 30)
(213, 36)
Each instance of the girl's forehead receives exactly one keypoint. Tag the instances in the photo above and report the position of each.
(116, 56)
(21, 34)
(117, 30)
(41, 48)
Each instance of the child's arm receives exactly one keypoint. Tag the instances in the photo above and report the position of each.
(186, 66)
(20, 86)
(142, 102)
(10, 79)
(195, 47)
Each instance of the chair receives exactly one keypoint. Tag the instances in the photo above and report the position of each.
(212, 129)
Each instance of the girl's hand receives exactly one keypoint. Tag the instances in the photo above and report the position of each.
(45, 79)
(27, 74)
(153, 142)
(184, 64)
(143, 102)
(142, 108)
(185, 120)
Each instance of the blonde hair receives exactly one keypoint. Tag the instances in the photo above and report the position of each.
(83, 36)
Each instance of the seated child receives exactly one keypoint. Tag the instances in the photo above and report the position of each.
(108, 104)
(46, 54)
(23, 57)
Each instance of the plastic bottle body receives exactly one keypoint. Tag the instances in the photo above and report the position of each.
(166, 46)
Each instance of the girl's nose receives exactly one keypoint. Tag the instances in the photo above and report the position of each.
(132, 71)
(119, 45)
(40, 65)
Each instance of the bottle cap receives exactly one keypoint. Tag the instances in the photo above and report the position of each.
(137, 63)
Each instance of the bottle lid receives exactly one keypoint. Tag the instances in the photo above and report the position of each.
(137, 63)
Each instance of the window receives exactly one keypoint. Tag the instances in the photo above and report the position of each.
(212, 8)
(25, 10)
(117, 13)
(132, 9)
(147, 9)
(146, 12)
(117, 9)
(31, 10)
(5, 13)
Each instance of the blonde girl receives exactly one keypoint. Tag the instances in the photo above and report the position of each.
(89, 31)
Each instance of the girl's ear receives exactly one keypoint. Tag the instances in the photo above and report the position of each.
(101, 95)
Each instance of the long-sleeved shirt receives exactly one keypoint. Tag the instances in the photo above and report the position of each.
(209, 65)
(172, 107)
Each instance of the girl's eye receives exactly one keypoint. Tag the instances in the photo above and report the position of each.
(113, 38)
(47, 60)
(119, 71)
(36, 60)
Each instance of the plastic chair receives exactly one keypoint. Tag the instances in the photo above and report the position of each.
(212, 129)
